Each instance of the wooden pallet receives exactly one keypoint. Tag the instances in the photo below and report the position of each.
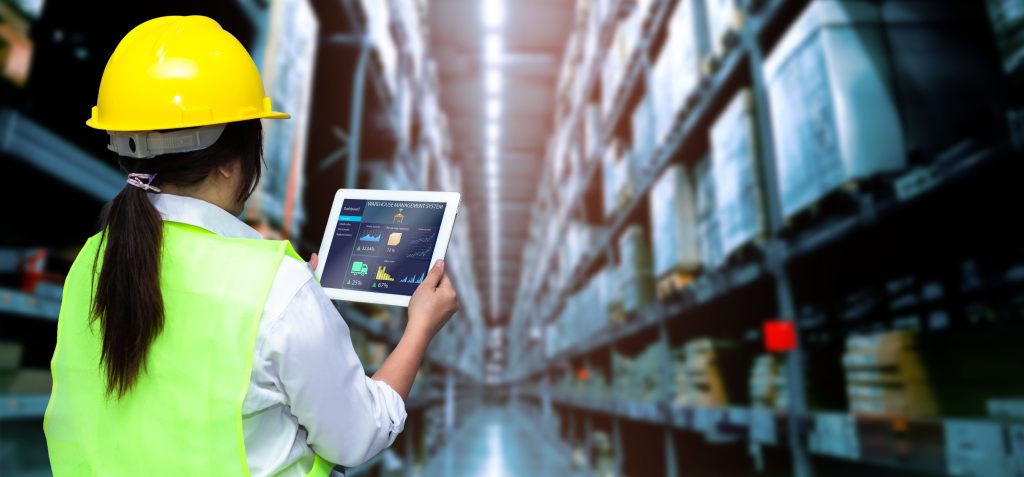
(843, 200)
(672, 282)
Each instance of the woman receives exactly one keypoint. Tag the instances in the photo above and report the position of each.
(186, 345)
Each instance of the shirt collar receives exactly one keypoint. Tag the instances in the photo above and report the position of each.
(202, 214)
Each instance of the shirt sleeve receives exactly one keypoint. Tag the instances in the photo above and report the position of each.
(349, 417)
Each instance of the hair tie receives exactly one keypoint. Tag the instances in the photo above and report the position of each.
(134, 179)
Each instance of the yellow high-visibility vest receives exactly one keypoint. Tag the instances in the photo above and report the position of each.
(184, 414)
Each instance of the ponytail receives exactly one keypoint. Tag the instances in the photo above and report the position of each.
(128, 303)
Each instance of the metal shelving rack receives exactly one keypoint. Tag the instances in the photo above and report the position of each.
(457, 362)
(453, 356)
(537, 305)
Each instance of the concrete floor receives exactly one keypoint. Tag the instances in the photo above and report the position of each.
(501, 442)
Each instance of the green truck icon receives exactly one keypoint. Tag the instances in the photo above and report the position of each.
(360, 268)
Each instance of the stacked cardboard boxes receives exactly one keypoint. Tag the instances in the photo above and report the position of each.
(617, 179)
(611, 293)
(1008, 20)
(703, 381)
(768, 383)
(735, 162)
(674, 229)
(708, 236)
(642, 123)
(885, 375)
(725, 19)
(635, 274)
(378, 27)
(907, 99)
(640, 378)
(604, 455)
(624, 43)
(677, 72)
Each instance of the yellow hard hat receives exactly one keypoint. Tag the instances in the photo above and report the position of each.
(179, 72)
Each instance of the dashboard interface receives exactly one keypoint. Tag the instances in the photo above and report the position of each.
(382, 246)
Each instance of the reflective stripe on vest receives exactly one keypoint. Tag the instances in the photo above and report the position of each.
(184, 414)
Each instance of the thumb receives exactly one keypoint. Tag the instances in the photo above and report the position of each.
(435, 274)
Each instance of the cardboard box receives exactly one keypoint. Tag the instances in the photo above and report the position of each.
(735, 164)
(725, 19)
(677, 70)
(637, 282)
(1007, 18)
(907, 99)
(907, 400)
(674, 222)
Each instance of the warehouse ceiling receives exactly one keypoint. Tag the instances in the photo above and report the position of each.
(498, 63)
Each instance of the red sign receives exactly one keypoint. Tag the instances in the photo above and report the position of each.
(779, 336)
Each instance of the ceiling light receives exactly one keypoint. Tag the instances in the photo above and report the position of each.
(493, 13)
(492, 167)
(493, 108)
(492, 48)
(492, 152)
(493, 132)
(492, 81)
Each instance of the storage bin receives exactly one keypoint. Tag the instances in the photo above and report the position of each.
(734, 167)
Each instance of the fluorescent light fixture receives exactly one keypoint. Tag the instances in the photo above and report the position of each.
(492, 168)
(493, 132)
(492, 48)
(493, 13)
(492, 81)
(492, 153)
(493, 108)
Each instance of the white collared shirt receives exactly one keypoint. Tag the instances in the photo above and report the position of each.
(309, 390)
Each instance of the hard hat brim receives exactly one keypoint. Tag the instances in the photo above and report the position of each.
(91, 122)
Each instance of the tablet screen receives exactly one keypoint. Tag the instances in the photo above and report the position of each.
(382, 246)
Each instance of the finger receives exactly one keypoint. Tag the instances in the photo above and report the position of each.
(446, 283)
(314, 260)
(434, 276)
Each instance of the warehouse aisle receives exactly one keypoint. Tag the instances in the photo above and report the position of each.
(497, 442)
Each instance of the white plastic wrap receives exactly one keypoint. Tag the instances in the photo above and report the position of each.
(725, 18)
(734, 167)
(674, 222)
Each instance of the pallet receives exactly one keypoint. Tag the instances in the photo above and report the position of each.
(672, 282)
(844, 200)
(617, 315)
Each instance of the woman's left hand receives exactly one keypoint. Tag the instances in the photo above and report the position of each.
(313, 261)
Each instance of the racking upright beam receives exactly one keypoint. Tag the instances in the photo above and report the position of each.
(775, 251)
(355, 121)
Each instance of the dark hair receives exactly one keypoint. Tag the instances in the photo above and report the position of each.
(128, 302)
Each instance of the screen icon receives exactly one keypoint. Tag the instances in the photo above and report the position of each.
(382, 274)
(394, 239)
(399, 217)
(360, 268)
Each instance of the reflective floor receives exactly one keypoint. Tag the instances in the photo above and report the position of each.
(500, 442)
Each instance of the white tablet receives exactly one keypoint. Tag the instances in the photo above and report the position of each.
(379, 244)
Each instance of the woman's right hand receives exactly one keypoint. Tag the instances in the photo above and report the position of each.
(433, 302)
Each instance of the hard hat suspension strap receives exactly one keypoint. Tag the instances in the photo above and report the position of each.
(148, 144)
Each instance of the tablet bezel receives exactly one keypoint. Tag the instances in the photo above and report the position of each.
(444, 233)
